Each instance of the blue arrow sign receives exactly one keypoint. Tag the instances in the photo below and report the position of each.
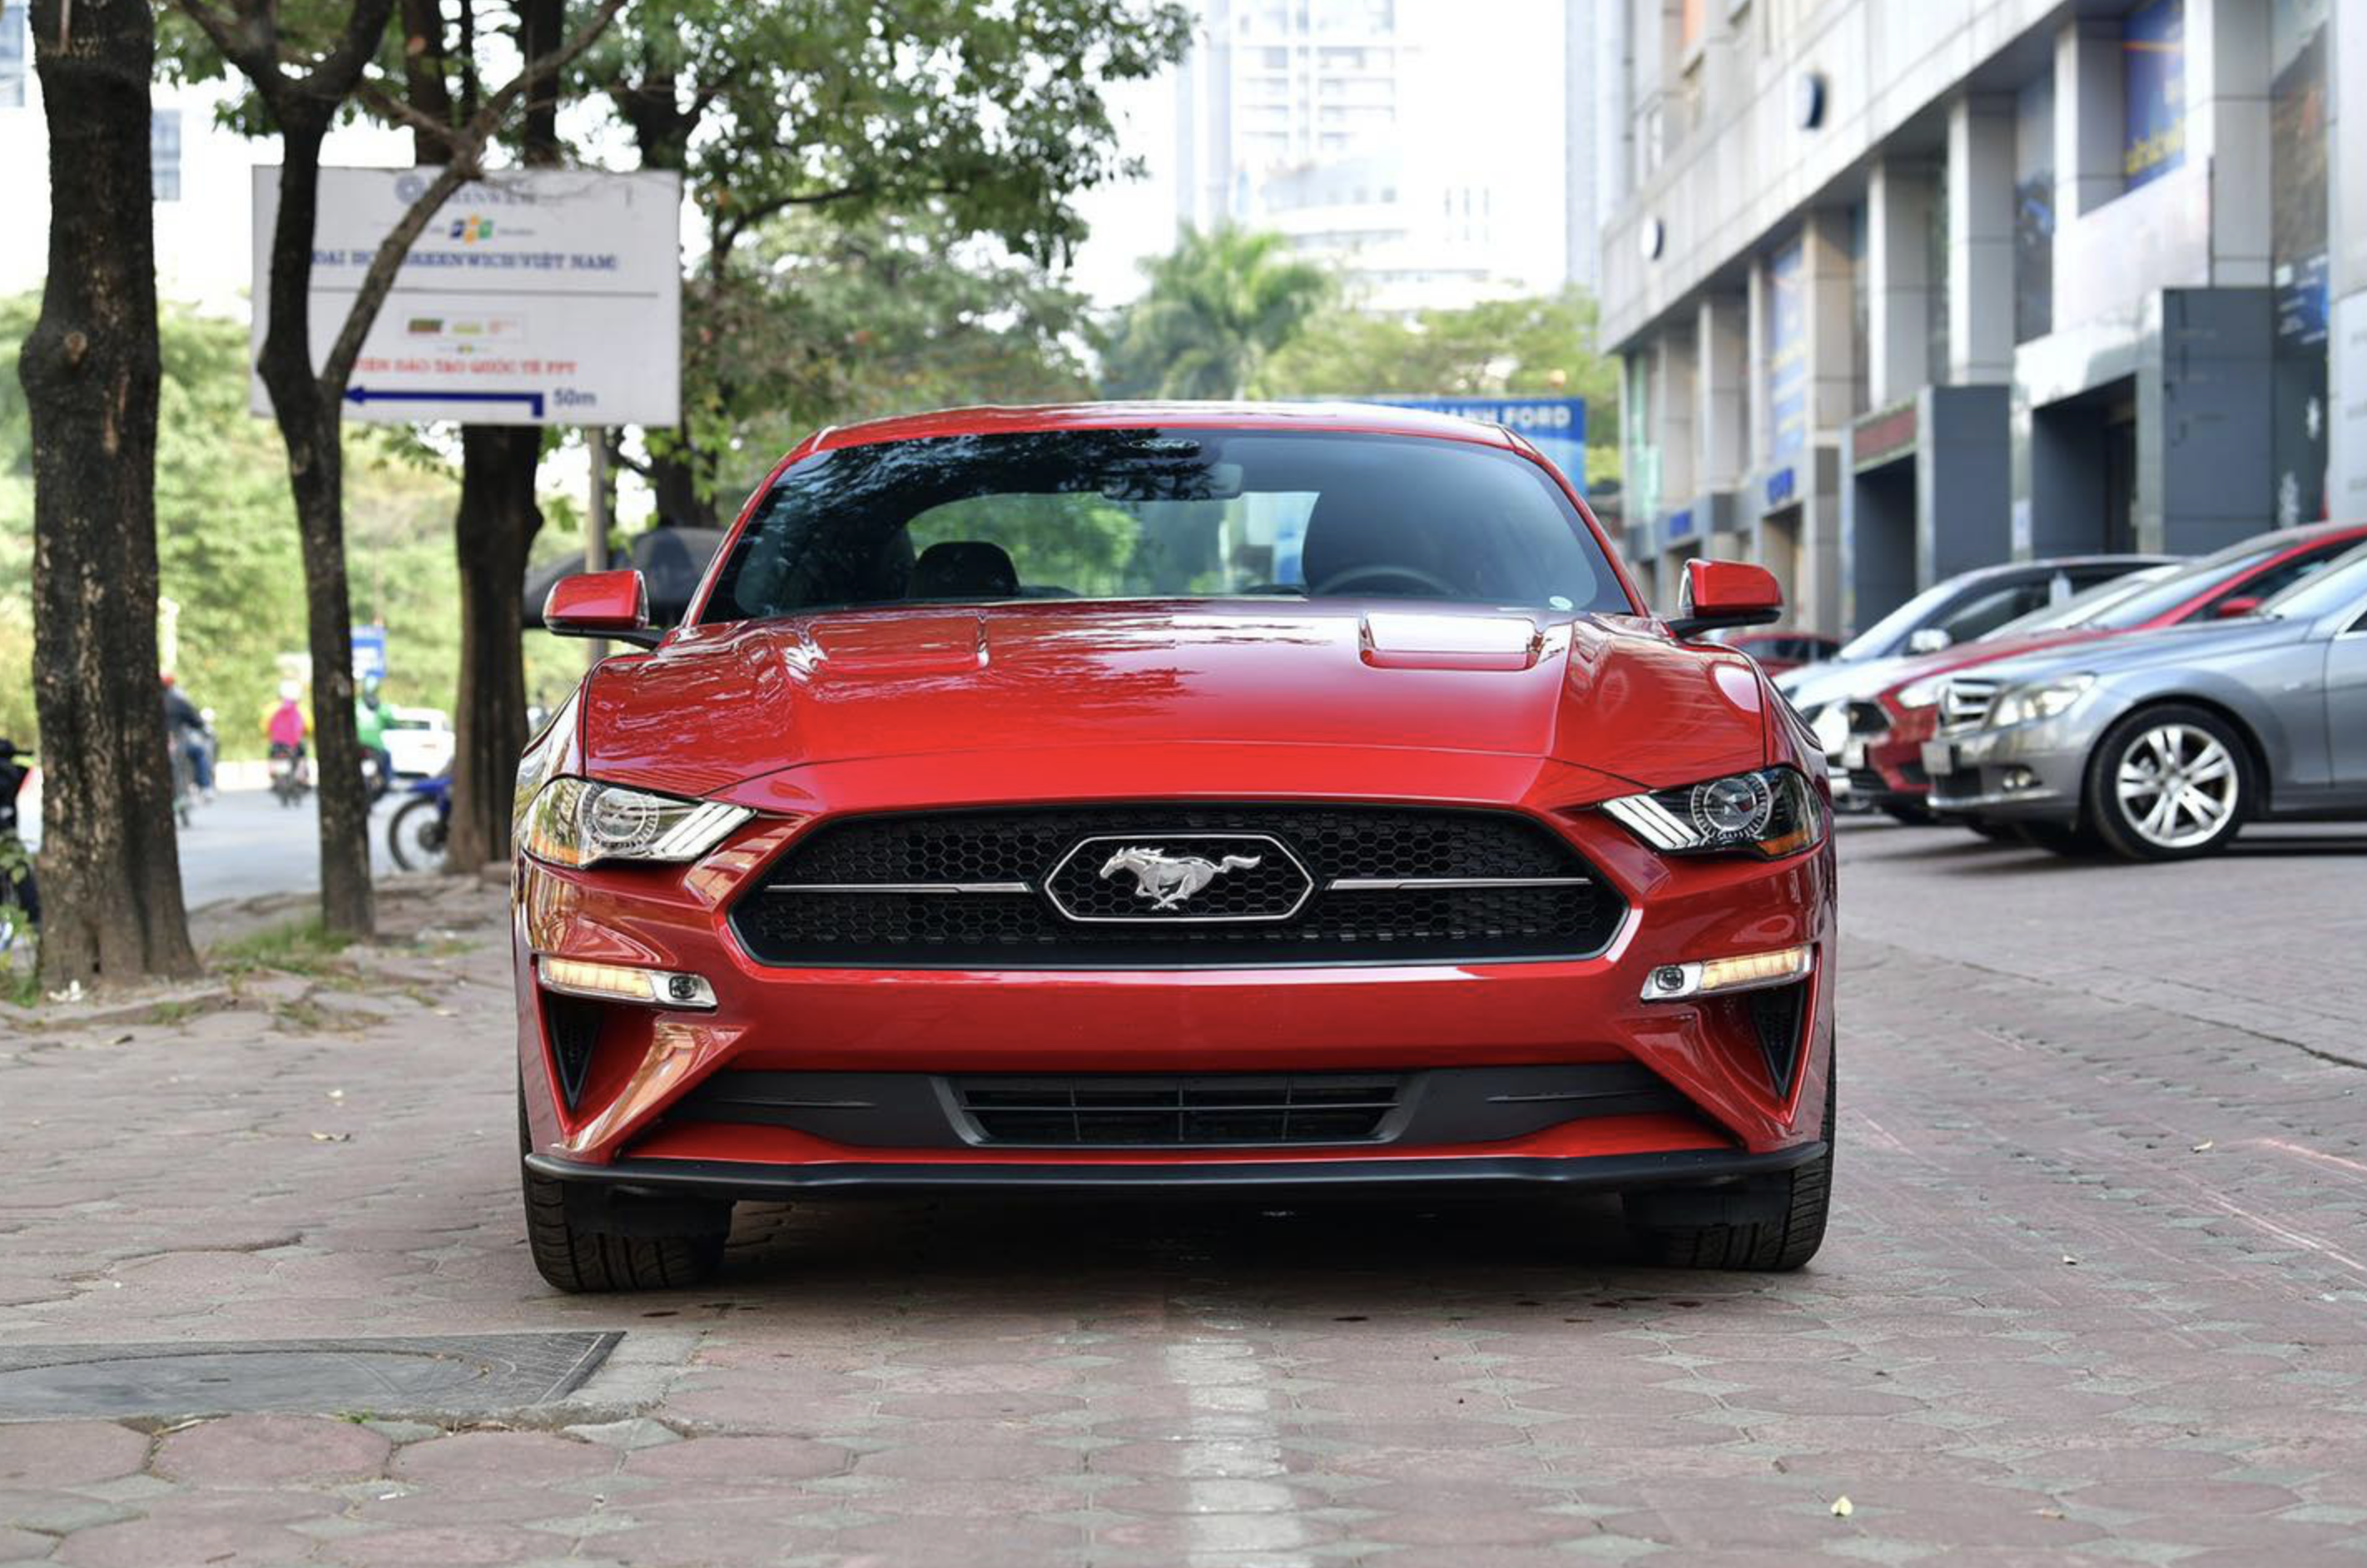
(532, 400)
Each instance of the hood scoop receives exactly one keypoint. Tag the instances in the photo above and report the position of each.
(1397, 640)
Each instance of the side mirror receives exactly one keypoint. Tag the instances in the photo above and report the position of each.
(601, 604)
(2240, 606)
(1724, 593)
(1927, 640)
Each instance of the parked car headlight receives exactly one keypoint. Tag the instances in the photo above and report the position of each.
(2022, 704)
(1772, 812)
(1920, 694)
(576, 822)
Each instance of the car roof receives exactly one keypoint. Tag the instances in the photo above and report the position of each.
(1371, 418)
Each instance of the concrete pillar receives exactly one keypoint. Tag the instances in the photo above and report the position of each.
(1898, 284)
(1673, 393)
(1721, 402)
(2227, 130)
(2090, 125)
(1963, 500)
(1980, 239)
(1832, 376)
(1754, 313)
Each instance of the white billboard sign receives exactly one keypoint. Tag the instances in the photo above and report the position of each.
(534, 297)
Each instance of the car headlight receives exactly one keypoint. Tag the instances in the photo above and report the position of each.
(1772, 812)
(2022, 704)
(1920, 694)
(575, 822)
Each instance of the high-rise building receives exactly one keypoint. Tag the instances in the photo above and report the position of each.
(1425, 160)
(1900, 290)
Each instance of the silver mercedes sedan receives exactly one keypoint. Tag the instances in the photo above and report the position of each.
(2160, 746)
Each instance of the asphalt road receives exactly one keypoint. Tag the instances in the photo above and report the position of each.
(2096, 1292)
(245, 843)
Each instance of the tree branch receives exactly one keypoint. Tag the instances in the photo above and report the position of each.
(468, 164)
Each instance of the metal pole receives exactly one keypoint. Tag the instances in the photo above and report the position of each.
(595, 522)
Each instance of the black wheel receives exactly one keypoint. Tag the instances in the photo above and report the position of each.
(1794, 1206)
(415, 834)
(2169, 783)
(576, 1259)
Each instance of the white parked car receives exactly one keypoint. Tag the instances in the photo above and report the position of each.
(418, 741)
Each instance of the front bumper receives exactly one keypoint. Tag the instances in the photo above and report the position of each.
(731, 1180)
(630, 1125)
(2027, 773)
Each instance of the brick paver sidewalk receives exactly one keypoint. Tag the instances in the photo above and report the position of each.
(2096, 1290)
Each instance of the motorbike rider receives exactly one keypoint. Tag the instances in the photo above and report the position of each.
(285, 728)
(370, 716)
(185, 728)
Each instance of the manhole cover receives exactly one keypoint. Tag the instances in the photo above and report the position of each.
(439, 1375)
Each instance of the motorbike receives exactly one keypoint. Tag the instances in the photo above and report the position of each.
(416, 832)
(20, 901)
(288, 783)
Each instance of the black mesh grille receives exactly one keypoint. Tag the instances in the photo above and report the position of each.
(1135, 1111)
(949, 930)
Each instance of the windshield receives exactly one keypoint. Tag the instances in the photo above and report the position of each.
(2081, 607)
(1163, 514)
(2340, 584)
(2197, 578)
(1879, 638)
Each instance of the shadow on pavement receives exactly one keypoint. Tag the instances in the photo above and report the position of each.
(1342, 1259)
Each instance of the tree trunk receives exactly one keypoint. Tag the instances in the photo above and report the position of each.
(308, 416)
(675, 485)
(109, 871)
(494, 531)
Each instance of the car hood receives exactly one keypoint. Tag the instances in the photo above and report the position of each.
(2199, 643)
(717, 706)
(1964, 655)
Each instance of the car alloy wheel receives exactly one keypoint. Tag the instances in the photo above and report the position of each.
(2171, 784)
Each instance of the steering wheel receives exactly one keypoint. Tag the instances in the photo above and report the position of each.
(1434, 586)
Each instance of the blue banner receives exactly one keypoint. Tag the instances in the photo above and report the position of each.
(1788, 353)
(2153, 90)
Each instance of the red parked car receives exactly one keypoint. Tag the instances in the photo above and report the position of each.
(2235, 581)
(1778, 649)
(1112, 798)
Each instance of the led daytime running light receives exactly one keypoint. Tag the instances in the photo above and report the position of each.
(622, 982)
(1710, 977)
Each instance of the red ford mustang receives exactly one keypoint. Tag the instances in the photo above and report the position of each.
(1115, 799)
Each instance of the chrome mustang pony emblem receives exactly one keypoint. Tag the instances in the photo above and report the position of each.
(1168, 879)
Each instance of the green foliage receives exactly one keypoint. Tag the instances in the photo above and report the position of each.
(1219, 305)
(299, 947)
(1543, 347)
(883, 191)
(833, 322)
(226, 538)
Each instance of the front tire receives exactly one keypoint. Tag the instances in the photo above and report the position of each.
(2170, 783)
(1789, 1235)
(414, 835)
(578, 1261)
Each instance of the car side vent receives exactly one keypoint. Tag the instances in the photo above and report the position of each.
(1778, 1014)
(575, 1027)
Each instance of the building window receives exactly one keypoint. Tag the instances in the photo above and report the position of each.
(2153, 91)
(164, 154)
